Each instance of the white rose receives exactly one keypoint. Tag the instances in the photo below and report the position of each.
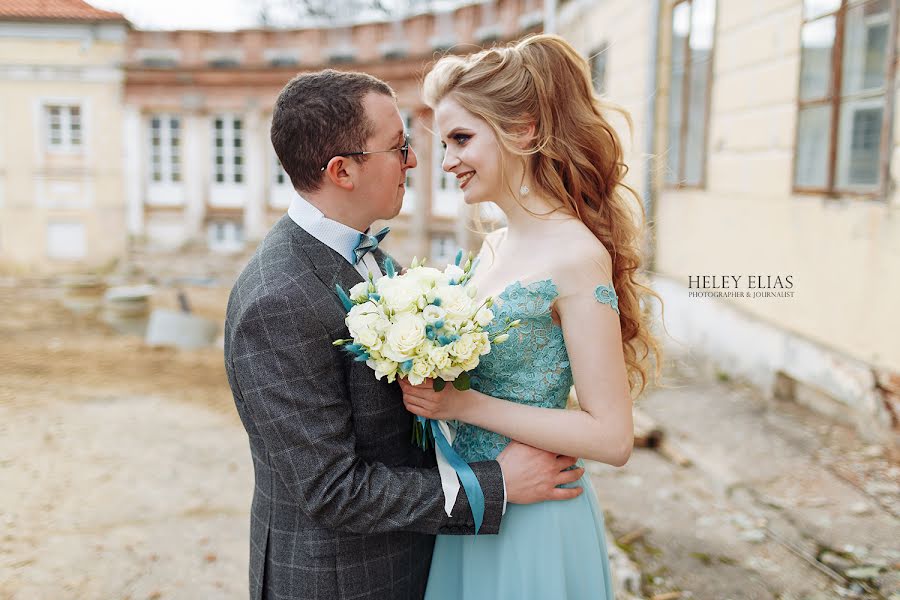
(440, 357)
(427, 276)
(361, 318)
(484, 316)
(370, 339)
(383, 368)
(455, 300)
(454, 272)
(470, 364)
(360, 291)
(433, 313)
(399, 294)
(404, 337)
(465, 347)
(450, 373)
(421, 369)
(483, 340)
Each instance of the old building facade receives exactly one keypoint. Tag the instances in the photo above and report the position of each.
(766, 150)
(61, 115)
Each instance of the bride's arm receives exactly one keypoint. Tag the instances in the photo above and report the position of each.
(603, 430)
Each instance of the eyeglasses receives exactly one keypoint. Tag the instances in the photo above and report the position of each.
(404, 152)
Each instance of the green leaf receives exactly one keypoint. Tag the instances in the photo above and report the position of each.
(463, 382)
(438, 384)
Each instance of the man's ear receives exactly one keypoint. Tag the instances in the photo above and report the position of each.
(340, 170)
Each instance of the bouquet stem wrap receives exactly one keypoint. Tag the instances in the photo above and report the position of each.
(451, 465)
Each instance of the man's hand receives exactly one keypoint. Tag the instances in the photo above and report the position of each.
(532, 475)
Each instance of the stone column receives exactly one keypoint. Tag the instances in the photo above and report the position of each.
(423, 184)
(135, 162)
(255, 172)
(197, 171)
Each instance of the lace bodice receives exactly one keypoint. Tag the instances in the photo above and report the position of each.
(532, 367)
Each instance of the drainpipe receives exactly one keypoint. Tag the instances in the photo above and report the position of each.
(650, 132)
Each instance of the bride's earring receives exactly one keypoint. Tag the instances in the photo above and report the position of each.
(524, 190)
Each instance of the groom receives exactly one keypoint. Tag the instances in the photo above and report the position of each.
(344, 505)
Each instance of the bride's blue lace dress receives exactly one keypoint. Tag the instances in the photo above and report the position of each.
(546, 551)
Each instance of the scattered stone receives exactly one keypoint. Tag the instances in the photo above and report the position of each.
(816, 502)
(873, 451)
(877, 488)
(836, 561)
(754, 536)
(860, 508)
(864, 572)
(170, 328)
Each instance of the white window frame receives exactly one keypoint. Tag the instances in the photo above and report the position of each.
(449, 244)
(229, 177)
(169, 189)
(445, 192)
(224, 235)
(68, 142)
(409, 198)
(168, 153)
(281, 190)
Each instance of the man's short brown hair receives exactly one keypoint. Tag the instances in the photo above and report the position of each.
(318, 116)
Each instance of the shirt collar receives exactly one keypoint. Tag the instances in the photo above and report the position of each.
(337, 236)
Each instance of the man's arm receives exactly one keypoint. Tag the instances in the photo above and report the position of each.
(291, 382)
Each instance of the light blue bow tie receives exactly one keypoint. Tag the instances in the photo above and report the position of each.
(368, 243)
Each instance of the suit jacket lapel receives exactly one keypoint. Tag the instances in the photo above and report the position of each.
(330, 267)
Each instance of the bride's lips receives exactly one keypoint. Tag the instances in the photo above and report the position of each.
(465, 178)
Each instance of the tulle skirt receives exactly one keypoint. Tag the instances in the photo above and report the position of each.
(546, 551)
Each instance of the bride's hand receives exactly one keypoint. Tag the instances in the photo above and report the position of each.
(422, 400)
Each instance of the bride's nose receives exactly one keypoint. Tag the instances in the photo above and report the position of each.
(450, 161)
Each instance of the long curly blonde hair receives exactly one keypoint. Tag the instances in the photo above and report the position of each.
(576, 157)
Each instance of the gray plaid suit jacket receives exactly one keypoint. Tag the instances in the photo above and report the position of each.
(344, 505)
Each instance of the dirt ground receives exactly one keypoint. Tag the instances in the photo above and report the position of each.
(125, 474)
(125, 469)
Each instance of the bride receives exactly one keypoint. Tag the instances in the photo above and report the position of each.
(521, 128)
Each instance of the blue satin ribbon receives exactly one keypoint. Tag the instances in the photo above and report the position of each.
(466, 475)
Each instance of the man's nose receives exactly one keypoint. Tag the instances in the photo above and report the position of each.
(411, 160)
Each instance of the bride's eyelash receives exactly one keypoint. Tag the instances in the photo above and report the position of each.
(459, 138)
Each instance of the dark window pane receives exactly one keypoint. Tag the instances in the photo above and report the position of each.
(865, 47)
(681, 23)
(859, 143)
(817, 40)
(696, 130)
(813, 127)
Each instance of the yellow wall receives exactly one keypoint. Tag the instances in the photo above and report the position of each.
(37, 185)
(843, 254)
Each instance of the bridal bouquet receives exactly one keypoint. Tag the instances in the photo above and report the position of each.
(425, 323)
(422, 324)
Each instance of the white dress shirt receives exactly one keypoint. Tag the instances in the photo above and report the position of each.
(337, 236)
